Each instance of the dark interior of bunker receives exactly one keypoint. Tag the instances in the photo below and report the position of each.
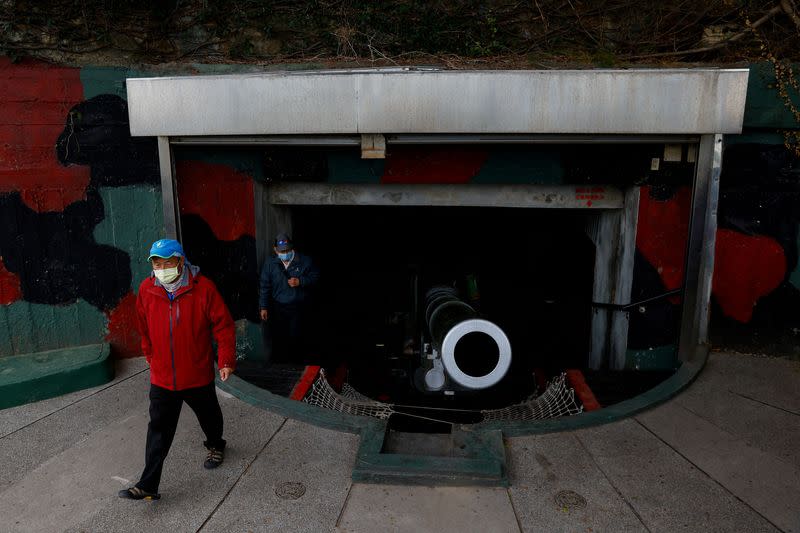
(530, 273)
(385, 270)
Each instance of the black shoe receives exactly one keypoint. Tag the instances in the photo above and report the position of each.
(135, 493)
(214, 458)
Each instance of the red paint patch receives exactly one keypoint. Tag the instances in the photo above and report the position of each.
(10, 289)
(304, 383)
(36, 98)
(582, 390)
(432, 164)
(662, 232)
(745, 269)
(338, 378)
(221, 195)
(539, 377)
(122, 332)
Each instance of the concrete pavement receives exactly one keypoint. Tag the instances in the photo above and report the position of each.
(722, 456)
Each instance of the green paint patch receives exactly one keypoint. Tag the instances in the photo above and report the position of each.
(133, 220)
(346, 166)
(794, 278)
(764, 107)
(31, 377)
(249, 341)
(28, 327)
(521, 165)
(108, 80)
(657, 358)
(755, 137)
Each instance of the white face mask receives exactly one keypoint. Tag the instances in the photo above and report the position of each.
(167, 275)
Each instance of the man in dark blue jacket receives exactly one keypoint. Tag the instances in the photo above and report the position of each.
(287, 280)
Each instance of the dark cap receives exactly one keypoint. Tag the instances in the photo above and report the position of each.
(283, 243)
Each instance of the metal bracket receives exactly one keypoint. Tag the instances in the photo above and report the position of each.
(373, 146)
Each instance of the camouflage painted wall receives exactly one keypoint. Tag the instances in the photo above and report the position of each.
(80, 203)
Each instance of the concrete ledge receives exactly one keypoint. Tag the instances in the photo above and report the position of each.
(36, 376)
(358, 424)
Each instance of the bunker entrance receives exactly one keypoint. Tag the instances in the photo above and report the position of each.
(393, 276)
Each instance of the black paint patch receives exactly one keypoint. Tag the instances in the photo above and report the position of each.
(773, 329)
(760, 195)
(654, 323)
(55, 254)
(622, 165)
(97, 134)
(296, 164)
(56, 257)
(231, 265)
(662, 192)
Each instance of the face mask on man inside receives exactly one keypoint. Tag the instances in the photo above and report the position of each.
(286, 256)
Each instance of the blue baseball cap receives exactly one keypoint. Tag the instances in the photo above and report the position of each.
(283, 243)
(166, 248)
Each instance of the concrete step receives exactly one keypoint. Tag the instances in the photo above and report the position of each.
(463, 457)
(35, 376)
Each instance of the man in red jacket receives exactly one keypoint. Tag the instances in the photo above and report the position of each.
(179, 311)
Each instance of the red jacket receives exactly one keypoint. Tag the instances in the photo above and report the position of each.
(176, 335)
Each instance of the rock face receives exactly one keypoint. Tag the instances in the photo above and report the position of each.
(511, 34)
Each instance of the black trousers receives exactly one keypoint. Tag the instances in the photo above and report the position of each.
(285, 331)
(165, 409)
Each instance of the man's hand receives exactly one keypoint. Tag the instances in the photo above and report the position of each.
(224, 372)
(294, 282)
(264, 315)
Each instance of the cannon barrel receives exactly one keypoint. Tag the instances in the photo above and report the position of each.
(475, 352)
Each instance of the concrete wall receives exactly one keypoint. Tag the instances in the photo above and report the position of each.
(757, 279)
(78, 201)
(80, 204)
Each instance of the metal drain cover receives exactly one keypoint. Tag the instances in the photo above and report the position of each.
(290, 490)
(568, 499)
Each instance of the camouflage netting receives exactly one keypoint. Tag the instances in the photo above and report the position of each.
(557, 400)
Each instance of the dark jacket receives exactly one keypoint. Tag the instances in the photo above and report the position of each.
(177, 334)
(274, 287)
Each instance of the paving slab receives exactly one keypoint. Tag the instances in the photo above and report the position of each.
(769, 485)
(556, 486)
(32, 445)
(401, 509)
(772, 380)
(309, 466)
(74, 483)
(667, 492)
(713, 459)
(770, 429)
(78, 486)
(15, 418)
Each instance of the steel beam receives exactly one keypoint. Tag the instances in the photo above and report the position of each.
(169, 190)
(699, 269)
(614, 236)
(602, 101)
(429, 139)
(623, 279)
(524, 196)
